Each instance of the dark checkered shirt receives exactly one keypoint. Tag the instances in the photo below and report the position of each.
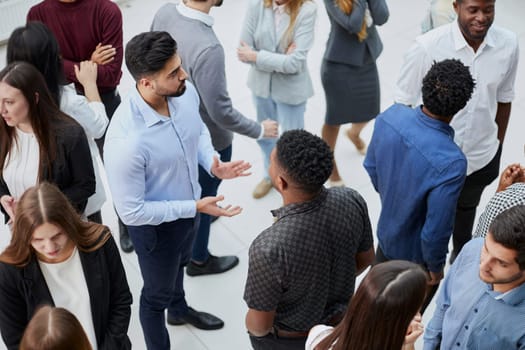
(510, 197)
(304, 265)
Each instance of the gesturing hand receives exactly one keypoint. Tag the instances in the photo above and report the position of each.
(414, 331)
(9, 205)
(271, 128)
(86, 73)
(208, 205)
(103, 54)
(229, 170)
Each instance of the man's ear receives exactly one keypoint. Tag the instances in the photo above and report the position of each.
(145, 82)
(280, 183)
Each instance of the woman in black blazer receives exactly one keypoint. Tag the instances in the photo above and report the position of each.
(38, 142)
(49, 235)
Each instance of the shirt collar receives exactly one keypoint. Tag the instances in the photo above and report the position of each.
(513, 297)
(278, 8)
(434, 123)
(460, 42)
(296, 208)
(148, 114)
(195, 14)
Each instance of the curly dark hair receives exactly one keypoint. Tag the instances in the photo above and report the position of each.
(305, 158)
(447, 87)
(148, 52)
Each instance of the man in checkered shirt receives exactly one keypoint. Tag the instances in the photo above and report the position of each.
(302, 269)
(510, 192)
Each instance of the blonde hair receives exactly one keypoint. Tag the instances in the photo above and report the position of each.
(346, 6)
(292, 7)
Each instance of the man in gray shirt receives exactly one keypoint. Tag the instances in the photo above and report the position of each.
(202, 56)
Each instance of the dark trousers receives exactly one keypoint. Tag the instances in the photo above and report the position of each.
(431, 289)
(111, 101)
(209, 188)
(272, 342)
(162, 251)
(95, 217)
(468, 201)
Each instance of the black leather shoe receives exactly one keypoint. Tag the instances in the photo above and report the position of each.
(198, 319)
(214, 264)
(125, 243)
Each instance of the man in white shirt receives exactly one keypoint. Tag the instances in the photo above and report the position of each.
(491, 53)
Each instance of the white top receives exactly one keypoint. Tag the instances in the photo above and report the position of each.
(21, 164)
(316, 335)
(92, 117)
(67, 284)
(493, 67)
(195, 14)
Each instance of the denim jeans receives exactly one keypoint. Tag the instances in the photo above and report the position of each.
(163, 251)
(288, 116)
(209, 187)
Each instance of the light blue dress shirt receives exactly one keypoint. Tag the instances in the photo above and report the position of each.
(470, 315)
(152, 160)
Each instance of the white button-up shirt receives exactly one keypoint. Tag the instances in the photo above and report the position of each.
(493, 66)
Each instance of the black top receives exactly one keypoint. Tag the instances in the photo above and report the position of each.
(23, 290)
(304, 265)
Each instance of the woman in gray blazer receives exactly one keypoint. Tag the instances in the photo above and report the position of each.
(348, 72)
(275, 40)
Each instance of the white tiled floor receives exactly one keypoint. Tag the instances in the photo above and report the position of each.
(222, 294)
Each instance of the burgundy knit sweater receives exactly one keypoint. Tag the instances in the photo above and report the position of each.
(79, 27)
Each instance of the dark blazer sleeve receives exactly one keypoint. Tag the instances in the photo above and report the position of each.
(13, 306)
(110, 297)
(73, 169)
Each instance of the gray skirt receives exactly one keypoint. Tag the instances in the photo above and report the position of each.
(352, 92)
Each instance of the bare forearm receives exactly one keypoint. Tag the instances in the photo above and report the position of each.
(502, 120)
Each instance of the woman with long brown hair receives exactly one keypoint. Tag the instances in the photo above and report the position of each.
(54, 328)
(38, 142)
(55, 258)
(275, 40)
(349, 73)
(34, 43)
(382, 314)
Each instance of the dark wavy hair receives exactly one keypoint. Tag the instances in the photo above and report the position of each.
(54, 328)
(305, 158)
(381, 310)
(447, 87)
(508, 229)
(148, 52)
(35, 43)
(44, 114)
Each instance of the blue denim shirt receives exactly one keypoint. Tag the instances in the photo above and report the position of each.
(470, 315)
(152, 160)
(418, 171)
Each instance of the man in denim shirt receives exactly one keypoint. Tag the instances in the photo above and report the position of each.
(418, 171)
(481, 305)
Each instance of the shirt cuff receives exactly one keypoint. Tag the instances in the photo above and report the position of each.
(261, 134)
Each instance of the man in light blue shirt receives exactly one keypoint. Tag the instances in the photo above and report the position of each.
(482, 302)
(154, 145)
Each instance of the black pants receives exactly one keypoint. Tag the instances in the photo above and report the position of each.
(468, 201)
(431, 290)
(272, 342)
(111, 101)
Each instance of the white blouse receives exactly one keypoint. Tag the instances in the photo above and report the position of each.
(21, 164)
(316, 335)
(67, 284)
(93, 119)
